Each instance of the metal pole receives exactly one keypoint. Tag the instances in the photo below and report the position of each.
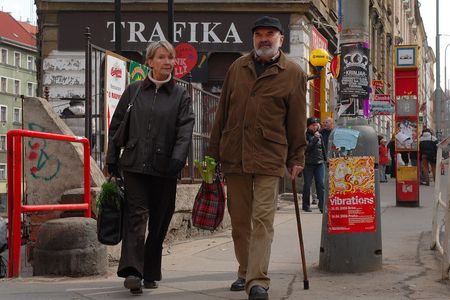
(87, 82)
(445, 69)
(170, 19)
(438, 95)
(117, 27)
(347, 251)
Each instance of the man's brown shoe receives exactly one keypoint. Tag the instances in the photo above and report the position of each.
(238, 285)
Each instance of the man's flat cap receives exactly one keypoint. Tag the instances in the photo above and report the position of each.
(268, 22)
(312, 120)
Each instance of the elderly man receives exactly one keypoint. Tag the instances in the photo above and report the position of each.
(259, 130)
(327, 127)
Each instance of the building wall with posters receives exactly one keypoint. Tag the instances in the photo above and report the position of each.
(219, 30)
(408, 29)
(398, 22)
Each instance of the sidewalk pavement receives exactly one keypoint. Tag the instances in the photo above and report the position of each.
(204, 268)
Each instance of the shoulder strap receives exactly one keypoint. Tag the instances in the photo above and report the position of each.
(136, 93)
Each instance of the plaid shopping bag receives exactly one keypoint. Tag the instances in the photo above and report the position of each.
(209, 205)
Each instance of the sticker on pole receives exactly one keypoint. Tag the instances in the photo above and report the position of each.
(352, 201)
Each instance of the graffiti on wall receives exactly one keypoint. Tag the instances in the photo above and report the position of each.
(43, 166)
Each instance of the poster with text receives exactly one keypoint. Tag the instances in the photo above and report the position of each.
(115, 82)
(352, 201)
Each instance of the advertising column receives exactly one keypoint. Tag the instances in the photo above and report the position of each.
(406, 125)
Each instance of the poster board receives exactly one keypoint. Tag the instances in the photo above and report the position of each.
(352, 200)
(116, 79)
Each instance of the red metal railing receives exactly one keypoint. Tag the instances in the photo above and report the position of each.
(15, 206)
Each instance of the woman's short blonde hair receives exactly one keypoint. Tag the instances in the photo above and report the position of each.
(153, 46)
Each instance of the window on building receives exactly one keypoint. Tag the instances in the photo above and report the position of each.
(3, 84)
(2, 171)
(2, 142)
(16, 87)
(30, 62)
(17, 115)
(30, 89)
(4, 56)
(3, 113)
(17, 59)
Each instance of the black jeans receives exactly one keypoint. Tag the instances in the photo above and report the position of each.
(151, 199)
(318, 173)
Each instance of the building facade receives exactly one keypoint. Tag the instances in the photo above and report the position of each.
(17, 77)
(220, 32)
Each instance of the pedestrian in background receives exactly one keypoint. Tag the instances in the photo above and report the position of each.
(315, 158)
(383, 159)
(259, 130)
(391, 149)
(428, 155)
(160, 130)
(327, 127)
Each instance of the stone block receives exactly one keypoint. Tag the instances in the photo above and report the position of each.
(69, 247)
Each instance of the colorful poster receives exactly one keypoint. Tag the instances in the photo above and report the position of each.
(115, 82)
(137, 71)
(406, 135)
(352, 201)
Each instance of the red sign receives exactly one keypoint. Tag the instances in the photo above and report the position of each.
(382, 97)
(378, 84)
(335, 66)
(352, 201)
(318, 40)
(185, 60)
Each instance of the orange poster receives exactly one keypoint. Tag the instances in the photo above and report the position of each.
(351, 200)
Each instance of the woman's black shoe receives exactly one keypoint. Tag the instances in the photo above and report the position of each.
(150, 284)
(133, 283)
(238, 285)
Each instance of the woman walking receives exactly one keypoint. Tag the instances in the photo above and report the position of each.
(383, 151)
(161, 122)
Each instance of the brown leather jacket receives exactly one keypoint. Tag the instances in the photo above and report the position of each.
(260, 124)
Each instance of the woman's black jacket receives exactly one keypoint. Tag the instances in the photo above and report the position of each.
(160, 128)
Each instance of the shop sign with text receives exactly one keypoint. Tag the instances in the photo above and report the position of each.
(207, 32)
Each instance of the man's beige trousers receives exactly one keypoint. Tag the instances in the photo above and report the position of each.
(252, 202)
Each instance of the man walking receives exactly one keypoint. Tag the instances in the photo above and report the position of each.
(327, 127)
(259, 130)
(315, 157)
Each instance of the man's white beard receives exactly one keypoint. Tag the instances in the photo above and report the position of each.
(266, 52)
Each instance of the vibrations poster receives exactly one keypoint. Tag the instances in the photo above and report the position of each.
(352, 201)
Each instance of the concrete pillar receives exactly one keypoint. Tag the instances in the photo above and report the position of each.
(69, 247)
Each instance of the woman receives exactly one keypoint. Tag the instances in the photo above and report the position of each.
(160, 130)
(383, 152)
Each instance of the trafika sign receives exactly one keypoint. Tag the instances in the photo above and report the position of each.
(185, 60)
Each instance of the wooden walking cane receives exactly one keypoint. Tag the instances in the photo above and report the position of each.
(300, 236)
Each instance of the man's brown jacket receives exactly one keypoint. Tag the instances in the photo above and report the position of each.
(260, 124)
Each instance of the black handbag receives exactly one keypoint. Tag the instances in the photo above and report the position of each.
(109, 204)
(120, 137)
